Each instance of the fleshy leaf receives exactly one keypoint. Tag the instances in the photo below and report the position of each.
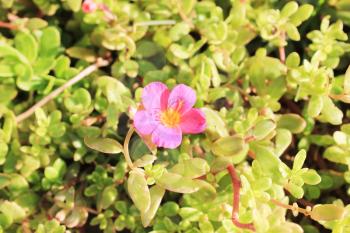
(157, 194)
(104, 145)
(228, 146)
(139, 191)
(327, 212)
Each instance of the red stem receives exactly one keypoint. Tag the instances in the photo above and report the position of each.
(236, 185)
(281, 49)
(282, 53)
(7, 25)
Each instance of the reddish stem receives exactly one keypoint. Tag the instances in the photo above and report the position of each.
(7, 25)
(281, 49)
(236, 185)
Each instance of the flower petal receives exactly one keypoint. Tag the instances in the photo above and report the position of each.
(182, 97)
(144, 123)
(155, 96)
(166, 137)
(193, 121)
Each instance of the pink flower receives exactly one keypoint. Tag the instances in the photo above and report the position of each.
(167, 115)
(89, 6)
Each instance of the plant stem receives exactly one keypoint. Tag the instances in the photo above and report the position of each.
(126, 147)
(108, 13)
(236, 185)
(7, 25)
(306, 212)
(155, 23)
(281, 50)
(88, 70)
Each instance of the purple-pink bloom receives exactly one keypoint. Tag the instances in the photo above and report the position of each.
(166, 115)
(89, 6)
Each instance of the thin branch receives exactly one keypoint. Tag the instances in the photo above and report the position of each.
(293, 207)
(108, 13)
(126, 147)
(236, 185)
(281, 50)
(155, 23)
(7, 25)
(88, 70)
(184, 16)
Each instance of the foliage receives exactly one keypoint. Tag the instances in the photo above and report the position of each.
(271, 77)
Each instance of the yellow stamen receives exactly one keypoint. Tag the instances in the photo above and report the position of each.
(170, 118)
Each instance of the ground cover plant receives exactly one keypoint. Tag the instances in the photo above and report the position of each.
(169, 116)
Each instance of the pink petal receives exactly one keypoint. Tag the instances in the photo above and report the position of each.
(89, 6)
(182, 97)
(144, 123)
(167, 137)
(155, 96)
(193, 121)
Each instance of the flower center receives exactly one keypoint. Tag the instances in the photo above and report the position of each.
(170, 118)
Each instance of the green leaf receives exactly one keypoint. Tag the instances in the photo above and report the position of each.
(8, 93)
(79, 101)
(146, 49)
(228, 146)
(299, 160)
(293, 60)
(177, 183)
(330, 112)
(179, 30)
(3, 151)
(216, 126)
(6, 71)
(51, 173)
(266, 158)
(4, 180)
(36, 23)
(263, 128)
(27, 45)
(50, 42)
(104, 145)
(337, 155)
(289, 9)
(303, 13)
(43, 65)
(292, 32)
(283, 140)
(295, 190)
(7, 50)
(190, 214)
(157, 194)
(191, 168)
(139, 191)
(293, 122)
(327, 212)
(145, 160)
(170, 209)
(85, 54)
(12, 210)
(311, 177)
(347, 81)
(74, 5)
(315, 106)
(113, 89)
(188, 5)
(108, 197)
(205, 193)
(180, 51)
(77, 217)
(18, 183)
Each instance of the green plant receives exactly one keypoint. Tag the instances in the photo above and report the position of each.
(271, 80)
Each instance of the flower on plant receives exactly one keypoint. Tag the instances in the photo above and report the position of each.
(89, 6)
(165, 115)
